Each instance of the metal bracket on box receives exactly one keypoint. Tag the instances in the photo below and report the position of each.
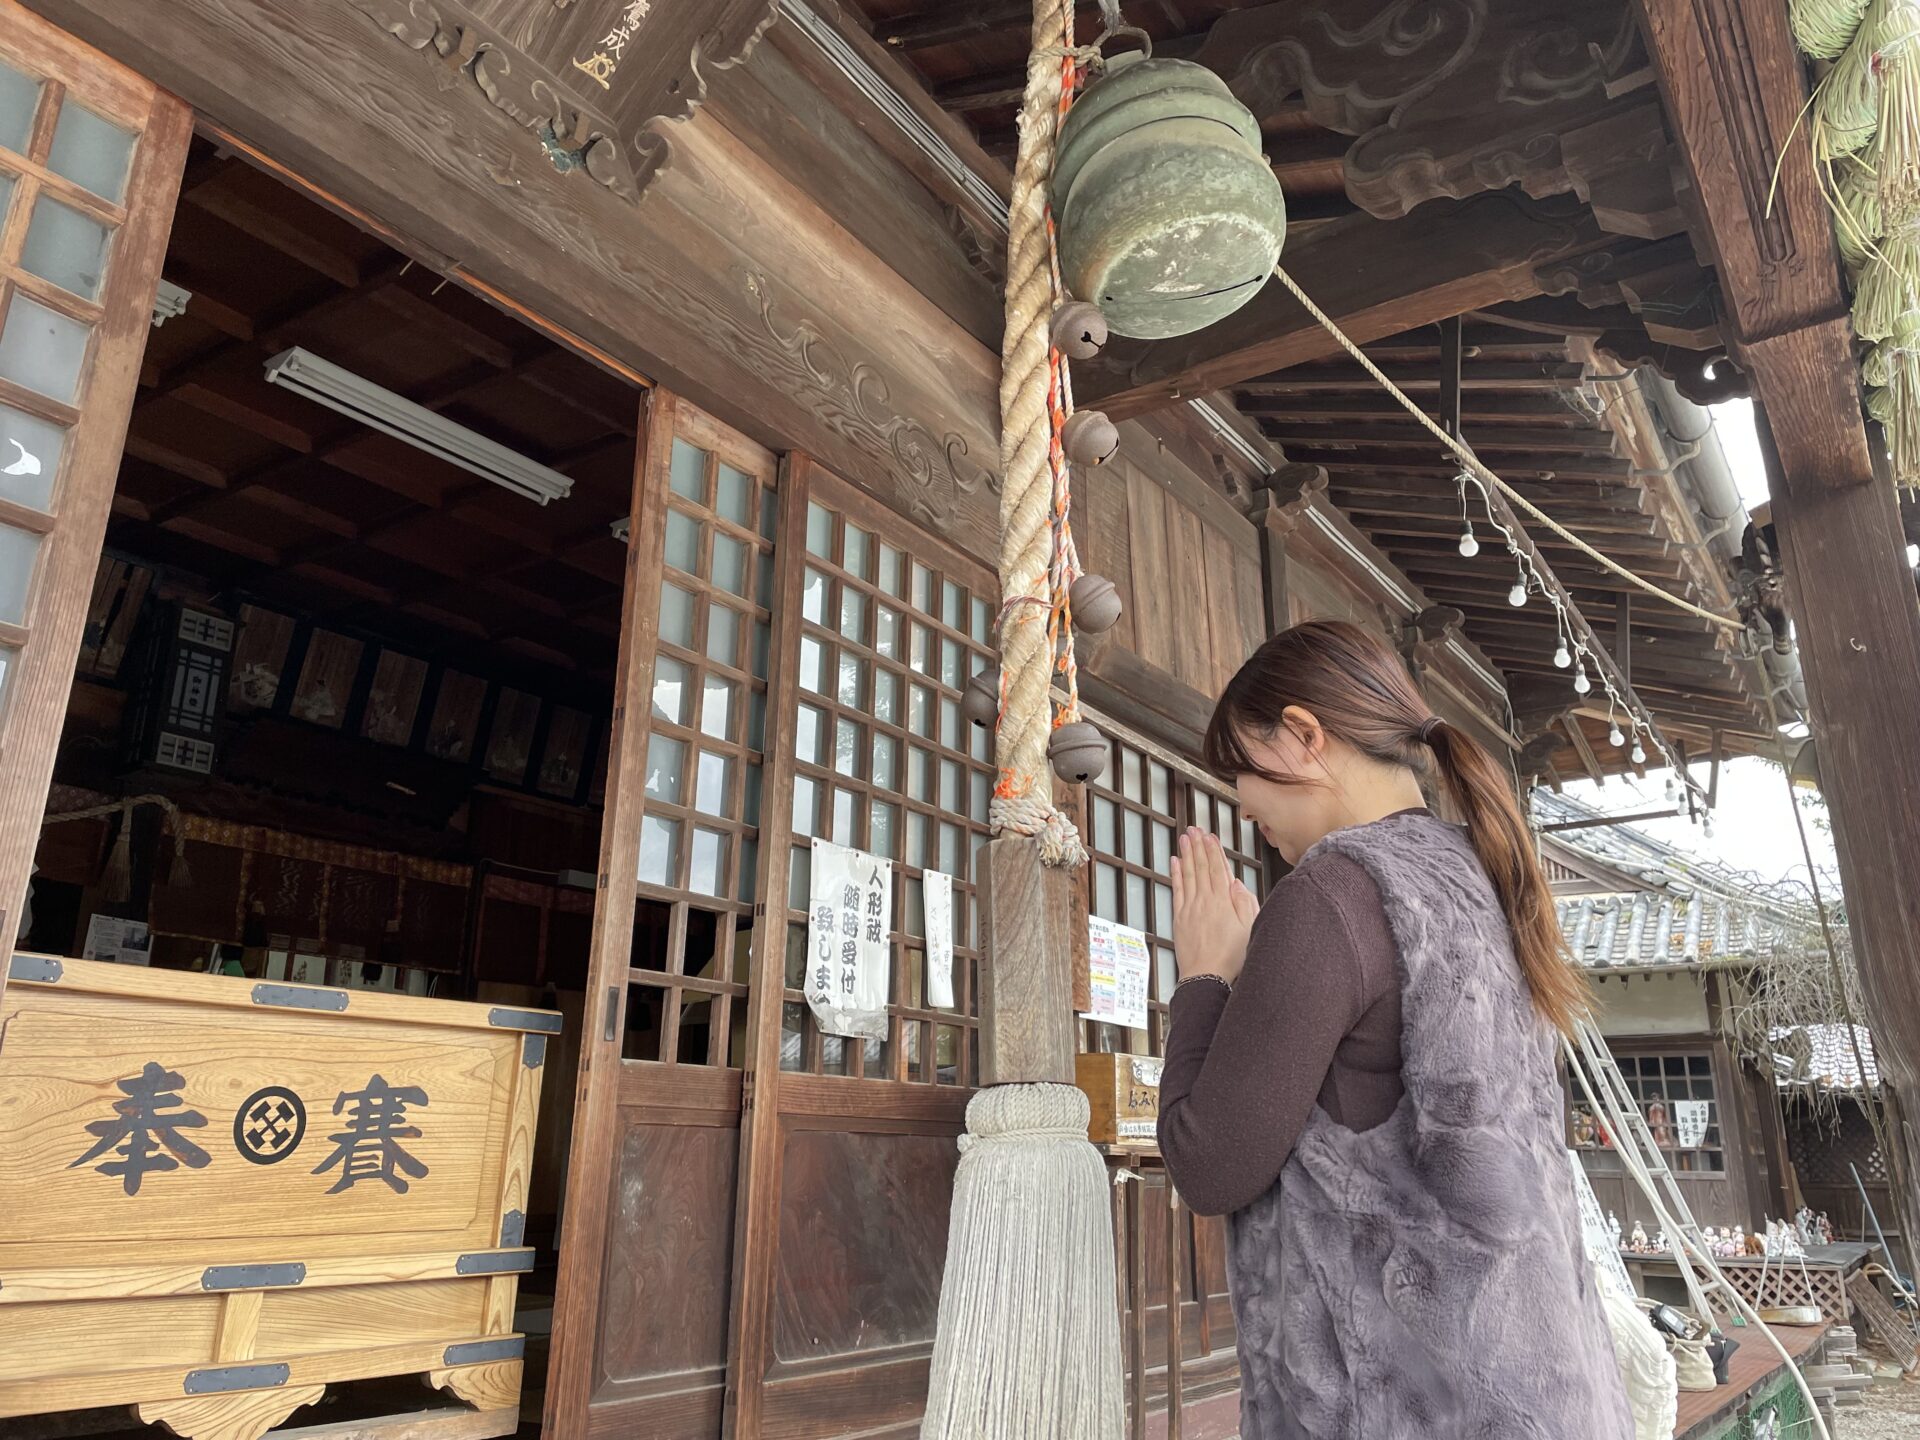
(479, 1352)
(507, 1018)
(299, 997)
(533, 1051)
(42, 969)
(494, 1262)
(236, 1377)
(252, 1277)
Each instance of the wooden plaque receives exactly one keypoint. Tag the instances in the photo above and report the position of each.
(1124, 1094)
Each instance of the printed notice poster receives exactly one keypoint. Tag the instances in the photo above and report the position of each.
(1118, 964)
(125, 942)
(1690, 1122)
(849, 917)
(939, 908)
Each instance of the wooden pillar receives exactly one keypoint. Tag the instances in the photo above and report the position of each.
(1859, 636)
(1026, 1022)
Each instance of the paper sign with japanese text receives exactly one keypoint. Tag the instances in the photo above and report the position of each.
(939, 908)
(849, 952)
(1118, 966)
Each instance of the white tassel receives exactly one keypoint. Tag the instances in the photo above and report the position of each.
(1028, 1346)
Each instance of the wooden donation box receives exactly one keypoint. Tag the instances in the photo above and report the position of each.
(1123, 1092)
(218, 1195)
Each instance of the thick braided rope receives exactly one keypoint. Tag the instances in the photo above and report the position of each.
(1022, 800)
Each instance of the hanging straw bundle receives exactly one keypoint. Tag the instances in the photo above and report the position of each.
(1896, 145)
(1858, 224)
(1888, 292)
(1822, 28)
(1846, 106)
(1892, 369)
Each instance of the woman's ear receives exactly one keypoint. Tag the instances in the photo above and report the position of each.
(1306, 729)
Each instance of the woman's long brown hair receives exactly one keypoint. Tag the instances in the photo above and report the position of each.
(1361, 693)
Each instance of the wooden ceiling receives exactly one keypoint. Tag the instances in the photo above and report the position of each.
(267, 494)
(973, 59)
(1536, 412)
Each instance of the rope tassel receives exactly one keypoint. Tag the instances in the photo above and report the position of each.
(1029, 1340)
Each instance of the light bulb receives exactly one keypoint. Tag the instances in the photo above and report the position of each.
(1615, 738)
(1561, 658)
(1706, 827)
(1469, 547)
(1517, 596)
(1673, 788)
(1581, 685)
(1639, 752)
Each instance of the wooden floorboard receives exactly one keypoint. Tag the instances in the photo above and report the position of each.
(1753, 1365)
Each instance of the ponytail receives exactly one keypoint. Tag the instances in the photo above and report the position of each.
(1483, 795)
(1360, 693)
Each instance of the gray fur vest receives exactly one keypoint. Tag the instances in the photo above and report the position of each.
(1425, 1280)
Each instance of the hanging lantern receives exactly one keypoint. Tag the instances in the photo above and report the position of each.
(1170, 217)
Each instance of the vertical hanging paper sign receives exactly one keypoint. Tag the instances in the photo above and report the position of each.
(1118, 964)
(938, 890)
(849, 920)
(1690, 1119)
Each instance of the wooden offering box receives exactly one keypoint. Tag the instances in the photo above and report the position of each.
(1124, 1092)
(218, 1195)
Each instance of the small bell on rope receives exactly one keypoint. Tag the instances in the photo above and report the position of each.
(1096, 604)
(1077, 752)
(1090, 438)
(1078, 330)
(982, 701)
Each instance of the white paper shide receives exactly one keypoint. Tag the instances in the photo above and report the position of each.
(938, 890)
(849, 917)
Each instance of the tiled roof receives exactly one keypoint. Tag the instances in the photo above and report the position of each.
(1657, 904)
(1820, 1055)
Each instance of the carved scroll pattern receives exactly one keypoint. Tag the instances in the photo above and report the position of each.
(548, 67)
(933, 474)
(1444, 97)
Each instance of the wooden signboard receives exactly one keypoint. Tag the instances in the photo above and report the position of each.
(222, 1195)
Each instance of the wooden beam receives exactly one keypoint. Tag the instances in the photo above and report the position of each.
(1419, 382)
(1376, 278)
(1577, 733)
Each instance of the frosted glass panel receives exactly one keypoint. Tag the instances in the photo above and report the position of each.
(29, 458)
(41, 350)
(735, 502)
(659, 850)
(716, 709)
(90, 152)
(19, 95)
(723, 633)
(676, 616)
(669, 690)
(66, 247)
(683, 542)
(18, 550)
(709, 861)
(713, 793)
(689, 472)
(666, 767)
(730, 565)
(8, 658)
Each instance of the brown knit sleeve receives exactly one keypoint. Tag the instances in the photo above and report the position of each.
(1242, 1073)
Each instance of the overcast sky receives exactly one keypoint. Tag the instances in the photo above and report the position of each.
(1753, 828)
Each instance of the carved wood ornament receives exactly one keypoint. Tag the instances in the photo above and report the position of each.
(1445, 97)
(593, 80)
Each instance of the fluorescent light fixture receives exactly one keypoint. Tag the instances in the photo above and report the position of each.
(325, 383)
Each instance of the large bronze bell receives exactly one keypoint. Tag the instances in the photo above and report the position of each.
(1169, 216)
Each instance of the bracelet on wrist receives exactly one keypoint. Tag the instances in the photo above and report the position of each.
(1219, 980)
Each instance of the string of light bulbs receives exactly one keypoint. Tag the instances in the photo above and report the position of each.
(1571, 650)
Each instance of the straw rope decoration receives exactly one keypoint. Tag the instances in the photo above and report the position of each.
(1866, 147)
(1037, 560)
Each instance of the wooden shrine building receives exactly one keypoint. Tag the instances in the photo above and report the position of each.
(497, 480)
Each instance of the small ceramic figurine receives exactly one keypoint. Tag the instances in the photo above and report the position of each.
(1657, 1123)
(1639, 1241)
(1825, 1227)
